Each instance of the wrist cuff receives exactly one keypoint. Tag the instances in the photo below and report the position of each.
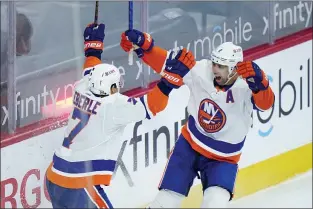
(164, 88)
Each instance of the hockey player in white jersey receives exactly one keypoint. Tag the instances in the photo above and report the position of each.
(87, 157)
(223, 93)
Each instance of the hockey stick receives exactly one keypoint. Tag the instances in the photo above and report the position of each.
(130, 27)
(130, 15)
(96, 13)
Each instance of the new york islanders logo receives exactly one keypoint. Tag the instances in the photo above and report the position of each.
(210, 116)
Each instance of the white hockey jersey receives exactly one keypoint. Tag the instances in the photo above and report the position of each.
(219, 119)
(92, 137)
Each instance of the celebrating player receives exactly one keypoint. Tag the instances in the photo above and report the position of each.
(223, 93)
(87, 158)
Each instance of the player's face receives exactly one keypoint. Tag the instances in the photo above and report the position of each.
(220, 73)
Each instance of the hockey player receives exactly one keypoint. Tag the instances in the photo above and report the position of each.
(87, 157)
(223, 93)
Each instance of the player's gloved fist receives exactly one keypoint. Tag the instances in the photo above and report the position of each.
(176, 68)
(93, 37)
(142, 41)
(255, 77)
(127, 46)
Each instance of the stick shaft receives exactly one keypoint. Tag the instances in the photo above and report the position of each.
(96, 12)
(130, 15)
(130, 27)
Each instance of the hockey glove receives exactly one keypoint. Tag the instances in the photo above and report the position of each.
(134, 37)
(255, 77)
(176, 68)
(93, 36)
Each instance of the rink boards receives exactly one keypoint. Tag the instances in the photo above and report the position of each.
(278, 146)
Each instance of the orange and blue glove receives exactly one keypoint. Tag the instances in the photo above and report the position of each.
(176, 68)
(254, 76)
(93, 37)
(134, 37)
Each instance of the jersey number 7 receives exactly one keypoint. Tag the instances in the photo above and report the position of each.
(83, 118)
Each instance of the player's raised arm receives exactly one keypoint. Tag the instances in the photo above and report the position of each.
(93, 41)
(154, 56)
(149, 105)
(262, 94)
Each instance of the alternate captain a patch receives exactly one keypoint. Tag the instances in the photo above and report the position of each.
(210, 116)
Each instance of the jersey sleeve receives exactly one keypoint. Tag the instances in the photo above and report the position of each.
(263, 100)
(128, 110)
(140, 108)
(156, 59)
(90, 62)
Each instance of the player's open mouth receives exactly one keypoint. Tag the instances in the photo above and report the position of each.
(218, 78)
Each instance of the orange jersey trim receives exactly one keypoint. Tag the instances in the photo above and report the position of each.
(77, 182)
(155, 58)
(232, 159)
(91, 61)
(156, 100)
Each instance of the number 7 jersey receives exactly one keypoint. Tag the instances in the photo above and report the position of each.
(93, 136)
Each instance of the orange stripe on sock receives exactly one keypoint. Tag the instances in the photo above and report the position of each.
(156, 100)
(96, 198)
(91, 61)
(155, 58)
